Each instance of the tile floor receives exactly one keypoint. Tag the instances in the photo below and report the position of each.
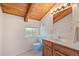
(30, 53)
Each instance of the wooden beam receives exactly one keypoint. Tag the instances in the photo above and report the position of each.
(26, 18)
(58, 16)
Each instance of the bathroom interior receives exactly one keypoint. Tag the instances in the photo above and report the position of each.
(39, 29)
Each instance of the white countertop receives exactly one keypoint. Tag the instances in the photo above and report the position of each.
(74, 45)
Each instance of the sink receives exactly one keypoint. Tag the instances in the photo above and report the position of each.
(61, 39)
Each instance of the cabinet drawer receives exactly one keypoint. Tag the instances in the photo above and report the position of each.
(66, 51)
(48, 43)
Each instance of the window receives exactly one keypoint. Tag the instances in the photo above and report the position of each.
(29, 32)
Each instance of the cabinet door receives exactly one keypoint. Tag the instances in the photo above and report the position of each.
(57, 53)
(61, 50)
(47, 51)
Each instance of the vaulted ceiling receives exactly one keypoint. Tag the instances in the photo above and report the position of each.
(27, 10)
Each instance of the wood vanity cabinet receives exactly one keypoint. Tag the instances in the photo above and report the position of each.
(47, 48)
(54, 49)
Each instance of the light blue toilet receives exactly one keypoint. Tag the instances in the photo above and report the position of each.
(38, 45)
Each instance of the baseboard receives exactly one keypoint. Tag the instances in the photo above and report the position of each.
(24, 52)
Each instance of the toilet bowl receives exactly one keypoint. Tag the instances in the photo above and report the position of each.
(37, 47)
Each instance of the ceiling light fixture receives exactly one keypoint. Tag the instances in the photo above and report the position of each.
(61, 8)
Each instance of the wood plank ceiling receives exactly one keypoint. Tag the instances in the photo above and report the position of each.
(38, 10)
(32, 11)
(58, 16)
(15, 8)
